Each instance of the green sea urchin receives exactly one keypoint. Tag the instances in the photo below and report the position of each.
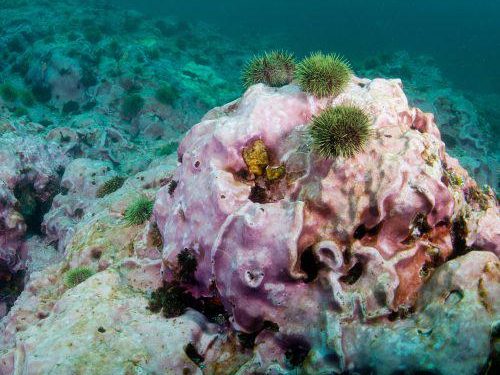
(340, 131)
(275, 69)
(167, 94)
(139, 211)
(323, 75)
(77, 275)
(8, 92)
(132, 105)
(110, 186)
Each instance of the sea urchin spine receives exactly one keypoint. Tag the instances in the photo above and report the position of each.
(77, 275)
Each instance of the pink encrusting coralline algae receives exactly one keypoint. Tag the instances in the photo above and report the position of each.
(336, 255)
(261, 256)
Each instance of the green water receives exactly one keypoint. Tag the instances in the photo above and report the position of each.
(459, 38)
(462, 35)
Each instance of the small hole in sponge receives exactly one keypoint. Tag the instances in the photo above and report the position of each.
(309, 264)
(193, 354)
(361, 231)
(258, 195)
(353, 274)
(297, 352)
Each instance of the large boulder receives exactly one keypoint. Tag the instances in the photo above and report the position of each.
(306, 245)
(265, 258)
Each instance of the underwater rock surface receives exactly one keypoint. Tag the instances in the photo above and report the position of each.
(102, 92)
(340, 256)
(467, 124)
(30, 173)
(299, 262)
(241, 251)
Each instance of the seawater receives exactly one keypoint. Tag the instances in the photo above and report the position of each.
(462, 39)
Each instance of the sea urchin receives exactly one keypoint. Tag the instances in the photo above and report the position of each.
(275, 69)
(139, 211)
(323, 75)
(340, 131)
(77, 275)
(110, 186)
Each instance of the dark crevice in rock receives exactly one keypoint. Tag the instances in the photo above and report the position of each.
(11, 285)
(265, 191)
(458, 237)
(353, 274)
(78, 213)
(64, 191)
(309, 264)
(362, 231)
(418, 227)
(172, 186)
(420, 223)
(242, 175)
(297, 351)
(213, 309)
(193, 354)
(375, 230)
(359, 232)
(31, 207)
(247, 340)
(258, 194)
(403, 312)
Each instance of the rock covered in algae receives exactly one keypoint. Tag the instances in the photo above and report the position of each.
(350, 265)
(30, 172)
(339, 247)
(103, 327)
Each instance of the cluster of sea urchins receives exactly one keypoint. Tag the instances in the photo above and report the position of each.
(340, 131)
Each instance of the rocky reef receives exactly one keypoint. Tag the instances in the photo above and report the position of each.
(467, 122)
(262, 257)
(88, 93)
(133, 243)
(341, 257)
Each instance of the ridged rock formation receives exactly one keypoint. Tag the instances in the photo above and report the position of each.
(261, 257)
(335, 255)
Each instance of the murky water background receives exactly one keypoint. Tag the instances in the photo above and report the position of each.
(463, 36)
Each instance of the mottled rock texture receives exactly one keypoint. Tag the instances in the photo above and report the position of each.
(30, 172)
(384, 263)
(333, 247)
